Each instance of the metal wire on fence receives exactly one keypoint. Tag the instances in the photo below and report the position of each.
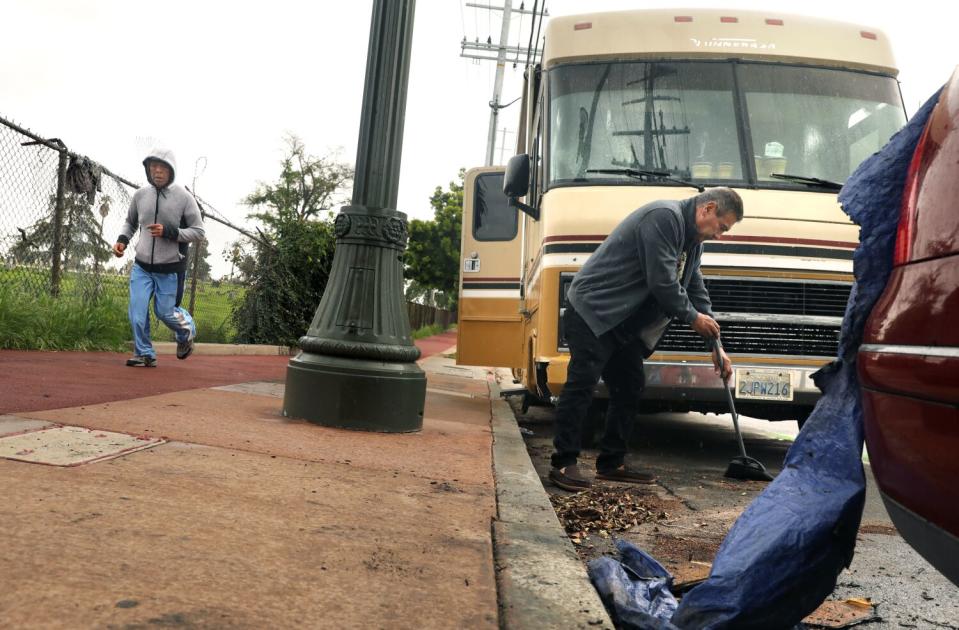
(60, 214)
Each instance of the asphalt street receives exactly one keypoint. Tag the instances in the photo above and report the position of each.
(693, 506)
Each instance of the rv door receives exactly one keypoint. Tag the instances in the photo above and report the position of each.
(490, 327)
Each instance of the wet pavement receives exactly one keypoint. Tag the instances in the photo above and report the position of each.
(230, 515)
(225, 514)
(693, 505)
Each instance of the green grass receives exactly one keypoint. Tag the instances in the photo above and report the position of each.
(44, 323)
(428, 331)
(212, 312)
(91, 311)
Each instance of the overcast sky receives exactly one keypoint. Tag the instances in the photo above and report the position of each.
(226, 82)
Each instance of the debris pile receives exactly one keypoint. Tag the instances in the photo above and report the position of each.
(604, 510)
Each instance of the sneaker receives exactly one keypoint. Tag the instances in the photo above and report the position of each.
(627, 474)
(184, 348)
(570, 478)
(139, 361)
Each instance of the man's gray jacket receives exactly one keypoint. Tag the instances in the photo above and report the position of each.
(647, 267)
(171, 206)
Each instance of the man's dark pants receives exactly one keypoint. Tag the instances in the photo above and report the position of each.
(617, 356)
(180, 283)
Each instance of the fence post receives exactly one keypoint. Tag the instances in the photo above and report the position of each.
(56, 249)
(193, 276)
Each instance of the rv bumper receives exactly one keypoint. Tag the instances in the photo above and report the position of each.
(698, 382)
(685, 386)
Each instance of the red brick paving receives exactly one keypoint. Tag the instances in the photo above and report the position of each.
(436, 344)
(35, 381)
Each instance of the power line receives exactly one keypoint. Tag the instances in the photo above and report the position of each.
(501, 52)
(539, 25)
(529, 47)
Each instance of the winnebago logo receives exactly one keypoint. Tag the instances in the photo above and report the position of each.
(731, 42)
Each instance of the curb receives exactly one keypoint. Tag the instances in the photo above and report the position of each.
(226, 349)
(541, 582)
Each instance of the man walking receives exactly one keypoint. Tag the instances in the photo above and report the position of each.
(166, 215)
(644, 275)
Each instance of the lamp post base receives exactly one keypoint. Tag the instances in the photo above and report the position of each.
(351, 393)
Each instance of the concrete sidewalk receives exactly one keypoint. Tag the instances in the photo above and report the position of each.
(246, 519)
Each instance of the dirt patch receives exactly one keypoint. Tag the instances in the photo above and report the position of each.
(592, 518)
(677, 550)
(444, 486)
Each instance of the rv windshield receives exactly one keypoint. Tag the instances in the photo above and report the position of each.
(684, 118)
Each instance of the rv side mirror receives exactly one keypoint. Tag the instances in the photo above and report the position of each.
(516, 181)
(516, 184)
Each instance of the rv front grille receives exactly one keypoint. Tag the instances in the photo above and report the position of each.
(758, 297)
(734, 295)
(804, 340)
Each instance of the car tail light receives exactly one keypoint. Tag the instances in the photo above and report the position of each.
(906, 232)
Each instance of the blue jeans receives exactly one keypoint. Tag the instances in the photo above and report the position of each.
(162, 288)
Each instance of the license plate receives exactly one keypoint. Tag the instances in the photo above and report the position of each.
(756, 384)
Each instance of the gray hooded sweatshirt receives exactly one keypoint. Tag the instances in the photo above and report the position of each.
(174, 208)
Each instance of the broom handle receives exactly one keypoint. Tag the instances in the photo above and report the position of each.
(732, 409)
(717, 346)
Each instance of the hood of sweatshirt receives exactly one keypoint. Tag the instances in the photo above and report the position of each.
(160, 155)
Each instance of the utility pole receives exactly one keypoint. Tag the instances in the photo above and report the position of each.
(502, 145)
(357, 366)
(501, 50)
(498, 83)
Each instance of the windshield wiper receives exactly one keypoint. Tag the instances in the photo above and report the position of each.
(642, 174)
(809, 181)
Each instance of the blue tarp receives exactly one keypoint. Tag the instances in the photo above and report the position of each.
(783, 555)
(636, 587)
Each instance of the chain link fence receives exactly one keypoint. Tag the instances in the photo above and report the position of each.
(60, 213)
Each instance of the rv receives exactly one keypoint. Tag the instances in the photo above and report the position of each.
(629, 107)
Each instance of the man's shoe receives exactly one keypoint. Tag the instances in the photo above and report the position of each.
(570, 478)
(139, 361)
(184, 348)
(627, 474)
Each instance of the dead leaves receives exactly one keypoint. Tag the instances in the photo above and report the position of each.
(602, 510)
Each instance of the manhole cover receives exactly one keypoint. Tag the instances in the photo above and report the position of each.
(71, 446)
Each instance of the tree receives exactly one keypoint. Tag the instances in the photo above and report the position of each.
(202, 250)
(307, 187)
(432, 258)
(82, 235)
(292, 259)
(242, 262)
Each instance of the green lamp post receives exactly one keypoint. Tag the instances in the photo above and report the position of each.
(357, 366)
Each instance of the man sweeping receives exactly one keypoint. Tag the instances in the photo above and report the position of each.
(644, 275)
